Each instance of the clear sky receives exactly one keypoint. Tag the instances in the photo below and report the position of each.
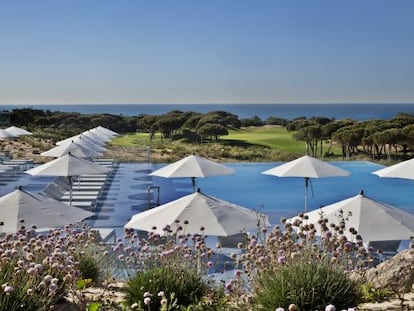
(206, 51)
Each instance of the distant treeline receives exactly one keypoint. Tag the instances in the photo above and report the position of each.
(376, 138)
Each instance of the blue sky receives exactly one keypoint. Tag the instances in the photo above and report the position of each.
(211, 51)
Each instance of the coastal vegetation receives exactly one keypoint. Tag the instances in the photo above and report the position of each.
(287, 267)
(290, 267)
(222, 135)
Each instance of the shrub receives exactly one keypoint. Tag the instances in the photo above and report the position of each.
(89, 268)
(372, 294)
(20, 291)
(36, 270)
(186, 286)
(311, 285)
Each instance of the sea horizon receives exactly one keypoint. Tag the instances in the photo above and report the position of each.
(289, 111)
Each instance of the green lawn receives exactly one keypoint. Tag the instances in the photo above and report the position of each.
(131, 139)
(275, 138)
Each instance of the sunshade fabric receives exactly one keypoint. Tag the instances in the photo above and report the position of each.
(36, 209)
(403, 169)
(218, 217)
(68, 165)
(373, 220)
(193, 166)
(17, 131)
(73, 148)
(306, 166)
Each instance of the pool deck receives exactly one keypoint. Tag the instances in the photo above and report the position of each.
(126, 195)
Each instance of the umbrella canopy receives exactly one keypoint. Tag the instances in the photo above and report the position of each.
(373, 220)
(36, 209)
(403, 169)
(102, 133)
(73, 148)
(17, 131)
(96, 136)
(98, 142)
(6, 135)
(218, 217)
(68, 166)
(193, 167)
(307, 167)
(84, 141)
(105, 130)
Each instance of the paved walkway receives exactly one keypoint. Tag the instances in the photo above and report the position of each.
(126, 195)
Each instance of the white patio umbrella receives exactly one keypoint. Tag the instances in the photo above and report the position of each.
(89, 140)
(75, 149)
(36, 209)
(106, 130)
(193, 167)
(84, 141)
(101, 132)
(218, 217)
(6, 135)
(17, 131)
(306, 167)
(373, 220)
(96, 136)
(403, 170)
(68, 166)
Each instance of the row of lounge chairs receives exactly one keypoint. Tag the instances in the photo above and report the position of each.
(85, 191)
(15, 169)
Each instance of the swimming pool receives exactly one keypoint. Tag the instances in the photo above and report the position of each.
(277, 196)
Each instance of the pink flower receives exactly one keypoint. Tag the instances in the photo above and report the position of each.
(53, 288)
(8, 289)
(330, 308)
(31, 271)
(229, 285)
(147, 301)
(292, 307)
(48, 278)
(20, 263)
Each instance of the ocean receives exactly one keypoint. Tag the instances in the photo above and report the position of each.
(263, 111)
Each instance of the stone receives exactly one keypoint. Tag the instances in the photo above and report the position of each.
(396, 273)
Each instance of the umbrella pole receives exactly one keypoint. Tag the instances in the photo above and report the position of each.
(306, 193)
(70, 190)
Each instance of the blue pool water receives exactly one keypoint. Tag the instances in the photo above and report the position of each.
(277, 196)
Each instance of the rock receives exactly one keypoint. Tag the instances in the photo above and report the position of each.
(397, 273)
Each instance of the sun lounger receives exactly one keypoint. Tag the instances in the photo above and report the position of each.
(77, 192)
(21, 164)
(80, 184)
(63, 182)
(99, 178)
(53, 191)
(82, 204)
(106, 162)
(88, 202)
